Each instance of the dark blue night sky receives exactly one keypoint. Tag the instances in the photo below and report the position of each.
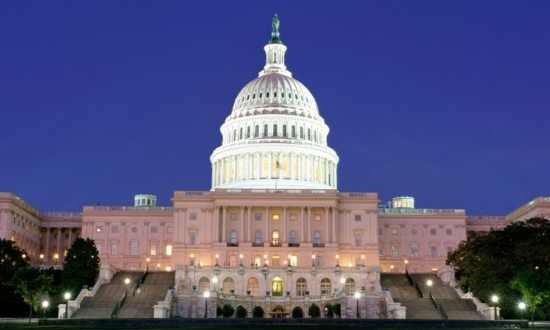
(445, 101)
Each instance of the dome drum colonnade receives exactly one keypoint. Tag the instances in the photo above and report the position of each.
(274, 136)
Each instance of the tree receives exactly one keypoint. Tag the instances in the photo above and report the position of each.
(33, 285)
(227, 310)
(337, 309)
(81, 265)
(12, 258)
(297, 313)
(314, 311)
(219, 311)
(241, 312)
(258, 312)
(504, 263)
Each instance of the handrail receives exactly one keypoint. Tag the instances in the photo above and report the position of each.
(438, 307)
(409, 277)
(118, 305)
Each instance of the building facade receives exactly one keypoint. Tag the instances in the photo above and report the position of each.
(273, 230)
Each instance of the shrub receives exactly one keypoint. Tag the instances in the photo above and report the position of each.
(314, 311)
(228, 311)
(241, 312)
(258, 312)
(297, 313)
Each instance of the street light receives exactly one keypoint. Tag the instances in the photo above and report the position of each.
(522, 307)
(429, 284)
(206, 295)
(126, 283)
(494, 300)
(45, 304)
(357, 296)
(406, 262)
(67, 297)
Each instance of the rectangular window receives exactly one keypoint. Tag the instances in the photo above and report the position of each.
(258, 216)
(275, 130)
(168, 250)
(265, 130)
(153, 249)
(193, 216)
(275, 261)
(358, 217)
(293, 260)
(284, 130)
(293, 131)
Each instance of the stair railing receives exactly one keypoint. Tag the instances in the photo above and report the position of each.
(409, 277)
(438, 307)
(119, 305)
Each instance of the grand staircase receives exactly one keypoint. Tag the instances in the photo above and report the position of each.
(102, 305)
(140, 303)
(422, 302)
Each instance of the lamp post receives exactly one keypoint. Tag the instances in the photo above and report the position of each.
(127, 282)
(45, 304)
(429, 284)
(357, 296)
(522, 307)
(206, 295)
(147, 261)
(494, 300)
(67, 297)
(406, 262)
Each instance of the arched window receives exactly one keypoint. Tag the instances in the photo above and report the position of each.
(301, 132)
(228, 286)
(248, 132)
(277, 286)
(241, 133)
(317, 237)
(257, 131)
(414, 249)
(253, 286)
(349, 286)
(275, 133)
(326, 287)
(204, 284)
(284, 131)
(233, 240)
(293, 131)
(309, 134)
(275, 238)
(301, 287)
(265, 131)
(258, 237)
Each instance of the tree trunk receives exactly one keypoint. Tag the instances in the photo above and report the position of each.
(30, 313)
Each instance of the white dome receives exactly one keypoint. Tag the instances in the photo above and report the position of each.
(275, 93)
(274, 137)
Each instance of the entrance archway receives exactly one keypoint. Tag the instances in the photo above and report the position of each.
(278, 312)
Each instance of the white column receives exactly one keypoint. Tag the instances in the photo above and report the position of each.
(327, 226)
(224, 215)
(308, 225)
(241, 235)
(302, 225)
(267, 234)
(334, 235)
(284, 226)
(270, 170)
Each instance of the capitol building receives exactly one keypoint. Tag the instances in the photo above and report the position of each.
(273, 232)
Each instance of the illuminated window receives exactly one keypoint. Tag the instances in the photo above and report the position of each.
(326, 287)
(168, 250)
(349, 286)
(228, 286)
(275, 238)
(275, 261)
(275, 217)
(253, 286)
(293, 260)
(277, 286)
(301, 287)
(257, 261)
(154, 248)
